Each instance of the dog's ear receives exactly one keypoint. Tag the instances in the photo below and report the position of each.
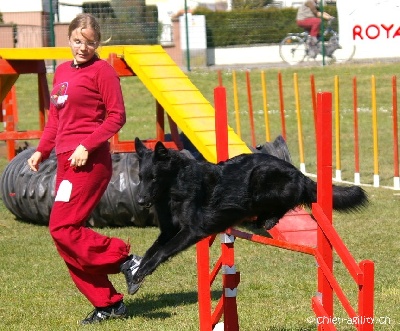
(160, 151)
(140, 148)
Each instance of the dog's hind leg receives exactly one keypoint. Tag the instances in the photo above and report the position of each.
(181, 241)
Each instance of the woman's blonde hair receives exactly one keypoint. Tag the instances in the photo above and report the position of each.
(85, 21)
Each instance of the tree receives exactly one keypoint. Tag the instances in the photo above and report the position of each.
(131, 23)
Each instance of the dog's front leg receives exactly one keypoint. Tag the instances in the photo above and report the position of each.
(151, 251)
(182, 240)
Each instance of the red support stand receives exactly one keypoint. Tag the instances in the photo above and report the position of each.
(204, 285)
(226, 263)
(10, 119)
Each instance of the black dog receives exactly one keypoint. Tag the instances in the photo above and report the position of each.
(194, 199)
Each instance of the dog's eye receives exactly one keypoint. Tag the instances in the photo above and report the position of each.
(154, 179)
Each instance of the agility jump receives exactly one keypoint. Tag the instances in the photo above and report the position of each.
(327, 241)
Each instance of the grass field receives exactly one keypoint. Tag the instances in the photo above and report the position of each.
(276, 285)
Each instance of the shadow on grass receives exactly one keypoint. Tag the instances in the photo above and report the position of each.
(154, 306)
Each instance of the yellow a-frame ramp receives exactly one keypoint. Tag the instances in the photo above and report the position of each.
(184, 103)
(169, 85)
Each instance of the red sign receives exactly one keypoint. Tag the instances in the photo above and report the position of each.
(373, 31)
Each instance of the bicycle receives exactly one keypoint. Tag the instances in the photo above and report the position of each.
(295, 48)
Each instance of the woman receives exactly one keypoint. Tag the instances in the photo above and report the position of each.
(87, 109)
(309, 18)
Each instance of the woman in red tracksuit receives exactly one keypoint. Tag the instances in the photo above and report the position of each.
(86, 110)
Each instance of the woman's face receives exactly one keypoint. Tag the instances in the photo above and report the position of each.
(83, 44)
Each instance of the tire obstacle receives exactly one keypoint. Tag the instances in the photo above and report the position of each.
(327, 240)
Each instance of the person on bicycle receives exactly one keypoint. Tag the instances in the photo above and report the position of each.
(309, 18)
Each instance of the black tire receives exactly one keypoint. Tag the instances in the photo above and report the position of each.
(292, 50)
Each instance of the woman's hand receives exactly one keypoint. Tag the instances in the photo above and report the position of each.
(79, 157)
(34, 161)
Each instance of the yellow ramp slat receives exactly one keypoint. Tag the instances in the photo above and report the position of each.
(151, 59)
(179, 97)
(195, 110)
(174, 84)
(163, 72)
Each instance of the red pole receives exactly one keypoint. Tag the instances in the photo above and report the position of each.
(366, 297)
(395, 134)
(44, 99)
(230, 277)
(250, 103)
(203, 253)
(324, 194)
(9, 109)
(314, 103)
(282, 105)
(219, 78)
(203, 284)
(356, 142)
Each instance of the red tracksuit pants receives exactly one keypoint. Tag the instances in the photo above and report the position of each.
(89, 256)
(311, 24)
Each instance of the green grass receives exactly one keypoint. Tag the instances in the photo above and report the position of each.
(276, 285)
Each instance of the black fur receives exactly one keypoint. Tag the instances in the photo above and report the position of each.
(194, 199)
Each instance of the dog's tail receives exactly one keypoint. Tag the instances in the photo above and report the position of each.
(345, 198)
(348, 198)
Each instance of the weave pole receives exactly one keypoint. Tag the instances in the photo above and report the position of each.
(219, 78)
(250, 104)
(282, 105)
(337, 131)
(375, 131)
(265, 106)
(236, 103)
(396, 180)
(299, 126)
(357, 180)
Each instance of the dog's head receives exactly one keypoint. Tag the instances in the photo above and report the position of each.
(154, 172)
